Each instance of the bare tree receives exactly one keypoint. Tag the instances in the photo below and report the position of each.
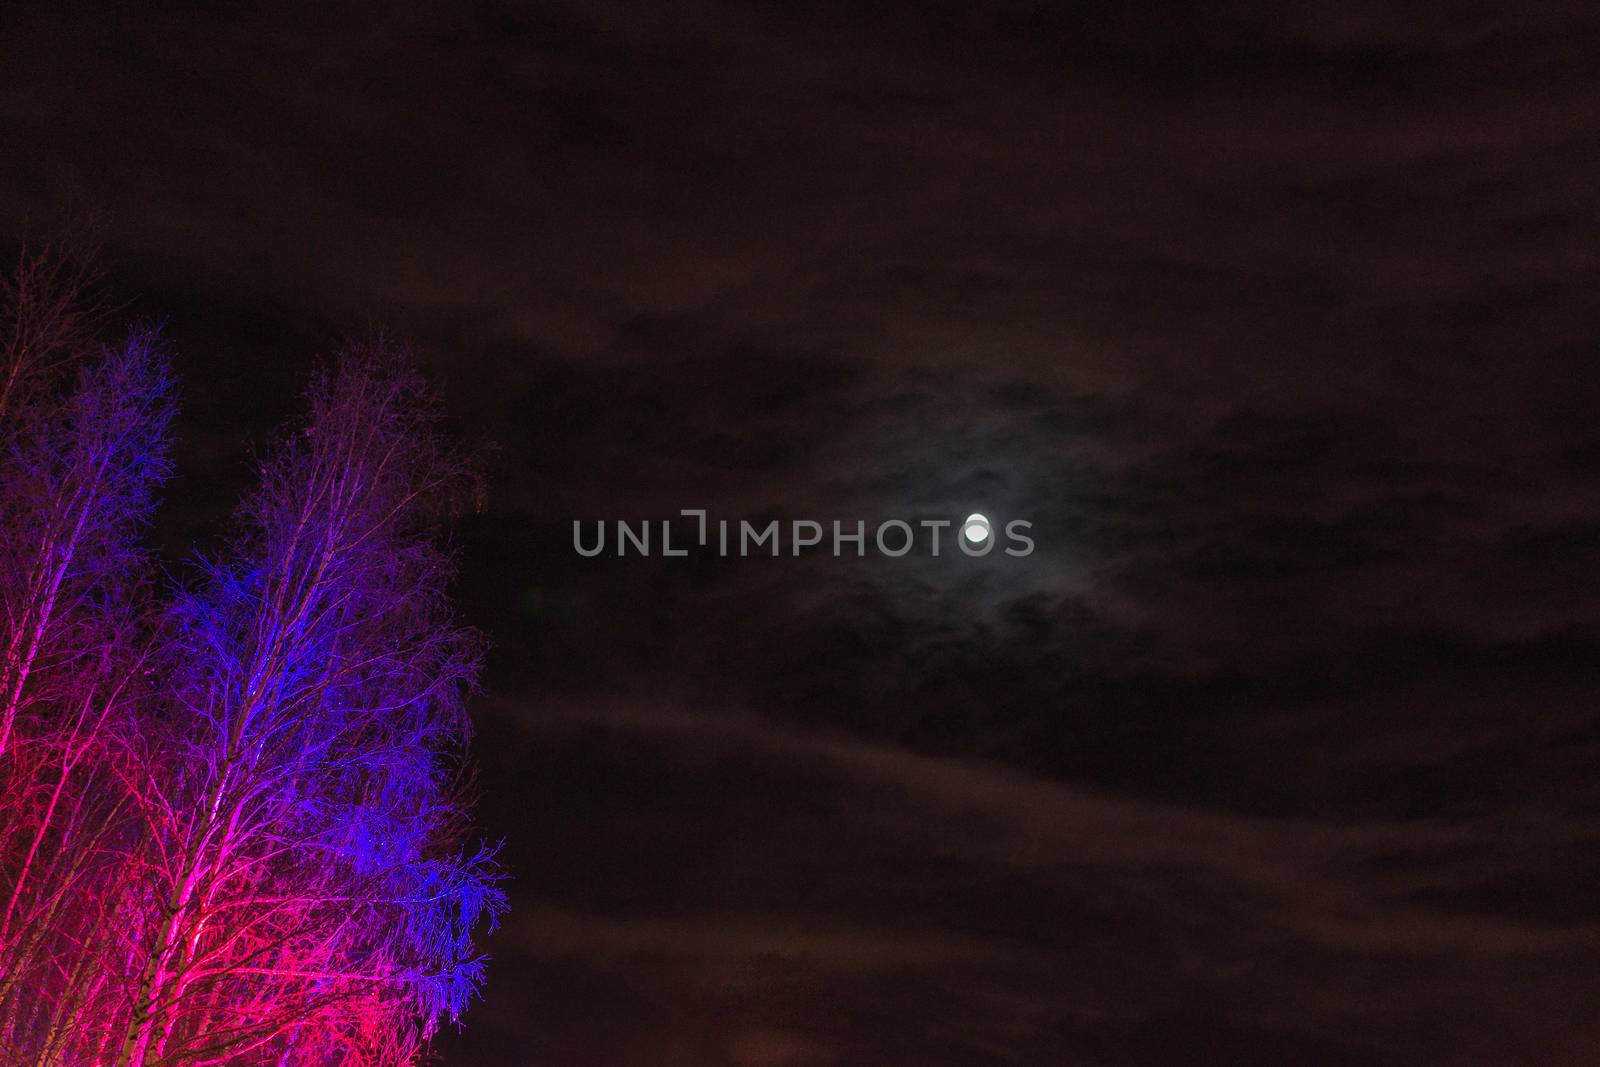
(76, 482)
(48, 315)
(316, 904)
(233, 830)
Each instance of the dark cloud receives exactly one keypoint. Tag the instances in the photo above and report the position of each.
(1279, 326)
(930, 910)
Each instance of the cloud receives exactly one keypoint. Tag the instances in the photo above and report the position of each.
(1048, 919)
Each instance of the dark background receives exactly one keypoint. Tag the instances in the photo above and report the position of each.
(1278, 321)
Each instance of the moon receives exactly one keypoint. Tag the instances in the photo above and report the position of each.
(975, 528)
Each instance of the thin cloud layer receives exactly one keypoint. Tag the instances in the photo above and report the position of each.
(966, 913)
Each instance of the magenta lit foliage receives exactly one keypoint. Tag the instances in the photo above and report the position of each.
(234, 817)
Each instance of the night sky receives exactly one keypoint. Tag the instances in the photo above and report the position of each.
(1280, 324)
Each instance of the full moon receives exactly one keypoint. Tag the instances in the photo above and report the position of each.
(975, 528)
